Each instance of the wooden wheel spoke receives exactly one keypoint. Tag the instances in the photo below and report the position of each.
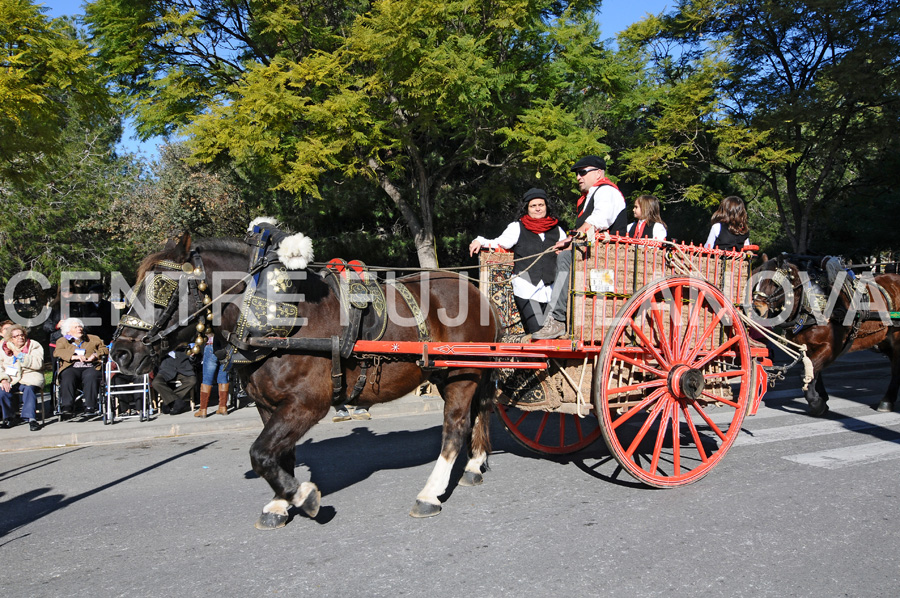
(693, 319)
(659, 325)
(639, 437)
(675, 322)
(718, 399)
(715, 353)
(642, 386)
(639, 364)
(708, 420)
(637, 408)
(728, 374)
(695, 434)
(648, 345)
(562, 431)
(660, 436)
(540, 430)
(707, 332)
(676, 442)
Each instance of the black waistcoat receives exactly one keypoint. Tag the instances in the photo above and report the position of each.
(619, 225)
(645, 234)
(729, 241)
(530, 243)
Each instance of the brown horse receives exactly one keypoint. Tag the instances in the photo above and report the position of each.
(788, 294)
(293, 389)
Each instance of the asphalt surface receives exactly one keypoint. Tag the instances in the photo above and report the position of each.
(76, 432)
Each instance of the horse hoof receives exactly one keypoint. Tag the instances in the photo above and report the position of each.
(269, 521)
(310, 504)
(471, 478)
(885, 406)
(424, 509)
(819, 409)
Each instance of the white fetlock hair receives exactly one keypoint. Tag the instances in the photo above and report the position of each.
(272, 222)
(296, 251)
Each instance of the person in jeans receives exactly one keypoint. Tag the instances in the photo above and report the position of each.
(21, 369)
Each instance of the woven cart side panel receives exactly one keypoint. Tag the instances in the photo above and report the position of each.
(494, 275)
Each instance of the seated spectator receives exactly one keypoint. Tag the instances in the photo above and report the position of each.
(22, 362)
(5, 325)
(80, 358)
(174, 380)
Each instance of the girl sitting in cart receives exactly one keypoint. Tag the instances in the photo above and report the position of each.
(649, 224)
(730, 230)
(535, 232)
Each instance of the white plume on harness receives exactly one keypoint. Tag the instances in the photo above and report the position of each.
(296, 251)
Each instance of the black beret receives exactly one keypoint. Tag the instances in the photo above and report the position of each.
(590, 162)
(534, 193)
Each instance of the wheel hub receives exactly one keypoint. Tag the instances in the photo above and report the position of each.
(686, 382)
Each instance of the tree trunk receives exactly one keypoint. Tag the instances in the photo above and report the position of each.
(423, 236)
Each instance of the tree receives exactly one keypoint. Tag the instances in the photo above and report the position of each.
(46, 75)
(426, 99)
(788, 99)
(58, 129)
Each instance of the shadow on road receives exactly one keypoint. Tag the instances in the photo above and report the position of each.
(35, 504)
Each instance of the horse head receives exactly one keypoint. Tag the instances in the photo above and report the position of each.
(168, 307)
(774, 284)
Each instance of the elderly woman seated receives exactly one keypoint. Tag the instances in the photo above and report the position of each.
(22, 362)
(80, 364)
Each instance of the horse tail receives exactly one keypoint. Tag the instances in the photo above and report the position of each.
(482, 406)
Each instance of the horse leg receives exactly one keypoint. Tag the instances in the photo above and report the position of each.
(890, 396)
(273, 458)
(816, 396)
(458, 391)
(481, 440)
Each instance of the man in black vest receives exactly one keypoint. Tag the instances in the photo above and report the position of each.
(600, 208)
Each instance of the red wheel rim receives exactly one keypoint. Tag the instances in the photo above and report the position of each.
(657, 432)
(549, 433)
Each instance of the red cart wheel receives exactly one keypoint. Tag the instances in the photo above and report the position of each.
(676, 376)
(549, 433)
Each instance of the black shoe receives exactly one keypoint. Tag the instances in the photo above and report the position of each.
(5, 424)
(90, 412)
(165, 409)
(34, 425)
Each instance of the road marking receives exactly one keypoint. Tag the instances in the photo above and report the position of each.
(820, 428)
(850, 455)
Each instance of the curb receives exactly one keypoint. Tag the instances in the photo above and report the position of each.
(77, 433)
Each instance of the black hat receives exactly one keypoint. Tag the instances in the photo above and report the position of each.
(534, 193)
(590, 162)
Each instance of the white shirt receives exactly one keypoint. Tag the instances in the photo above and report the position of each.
(521, 287)
(714, 234)
(608, 202)
(659, 231)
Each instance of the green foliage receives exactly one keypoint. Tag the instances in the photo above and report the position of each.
(789, 100)
(46, 76)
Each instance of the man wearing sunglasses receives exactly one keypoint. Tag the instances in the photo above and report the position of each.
(600, 208)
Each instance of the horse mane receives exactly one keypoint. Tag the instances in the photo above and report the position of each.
(175, 254)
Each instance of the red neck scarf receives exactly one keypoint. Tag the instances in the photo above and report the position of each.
(538, 225)
(603, 181)
(639, 229)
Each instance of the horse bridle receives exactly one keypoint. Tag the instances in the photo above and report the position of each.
(162, 290)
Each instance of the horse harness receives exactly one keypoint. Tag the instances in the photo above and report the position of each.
(270, 315)
(814, 299)
(161, 289)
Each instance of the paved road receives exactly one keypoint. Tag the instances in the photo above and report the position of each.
(799, 507)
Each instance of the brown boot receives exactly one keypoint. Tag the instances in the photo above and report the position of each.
(223, 399)
(205, 391)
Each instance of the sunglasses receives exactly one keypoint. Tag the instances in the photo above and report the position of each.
(584, 171)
